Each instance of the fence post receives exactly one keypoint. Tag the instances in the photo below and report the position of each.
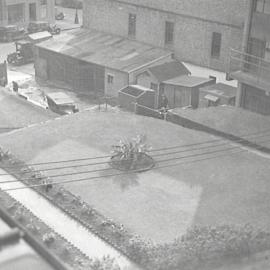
(135, 107)
(165, 116)
(6, 75)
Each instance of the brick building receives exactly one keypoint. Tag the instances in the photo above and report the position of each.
(20, 12)
(251, 65)
(199, 32)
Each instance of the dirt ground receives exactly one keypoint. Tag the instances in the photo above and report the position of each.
(213, 185)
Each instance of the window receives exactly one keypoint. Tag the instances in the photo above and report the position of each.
(262, 6)
(132, 25)
(15, 13)
(110, 79)
(169, 31)
(154, 86)
(216, 45)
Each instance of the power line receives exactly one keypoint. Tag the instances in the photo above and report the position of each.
(106, 169)
(113, 175)
(127, 159)
(260, 134)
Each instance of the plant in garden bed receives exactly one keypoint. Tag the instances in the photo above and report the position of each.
(49, 238)
(132, 155)
(106, 263)
(205, 246)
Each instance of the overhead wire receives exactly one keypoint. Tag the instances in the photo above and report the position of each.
(256, 134)
(106, 169)
(111, 175)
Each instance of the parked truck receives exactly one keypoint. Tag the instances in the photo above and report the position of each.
(24, 49)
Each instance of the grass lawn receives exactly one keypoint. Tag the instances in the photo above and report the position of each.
(159, 204)
(16, 112)
(229, 119)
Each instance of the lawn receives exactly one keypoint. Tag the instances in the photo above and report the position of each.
(162, 203)
(16, 112)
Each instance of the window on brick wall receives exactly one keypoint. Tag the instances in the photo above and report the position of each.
(169, 32)
(132, 25)
(16, 13)
(110, 79)
(262, 6)
(216, 45)
(154, 86)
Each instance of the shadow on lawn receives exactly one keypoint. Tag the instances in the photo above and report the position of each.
(126, 181)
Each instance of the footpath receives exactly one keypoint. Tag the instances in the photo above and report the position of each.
(67, 227)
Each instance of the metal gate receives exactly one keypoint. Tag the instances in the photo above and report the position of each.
(256, 100)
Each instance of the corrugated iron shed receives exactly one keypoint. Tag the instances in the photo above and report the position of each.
(104, 49)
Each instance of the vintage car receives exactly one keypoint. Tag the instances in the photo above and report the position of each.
(40, 26)
(59, 16)
(61, 103)
(11, 33)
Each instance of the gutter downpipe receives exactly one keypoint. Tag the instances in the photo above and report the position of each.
(244, 46)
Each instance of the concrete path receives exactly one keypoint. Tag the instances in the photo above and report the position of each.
(67, 227)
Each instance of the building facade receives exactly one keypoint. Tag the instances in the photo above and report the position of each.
(199, 32)
(21, 12)
(251, 65)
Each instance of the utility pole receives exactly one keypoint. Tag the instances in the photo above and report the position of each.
(244, 48)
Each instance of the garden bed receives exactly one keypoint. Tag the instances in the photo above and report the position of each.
(144, 163)
(202, 247)
(55, 243)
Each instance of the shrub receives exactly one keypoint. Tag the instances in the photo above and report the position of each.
(106, 263)
(48, 238)
(130, 153)
(205, 245)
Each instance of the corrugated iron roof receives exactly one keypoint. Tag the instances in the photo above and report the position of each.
(220, 89)
(40, 35)
(168, 70)
(104, 49)
(60, 98)
(187, 81)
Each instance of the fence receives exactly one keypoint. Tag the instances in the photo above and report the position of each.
(106, 100)
(251, 65)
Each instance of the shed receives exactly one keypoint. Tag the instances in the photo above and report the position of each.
(132, 94)
(217, 94)
(156, 74)
(90, 61)
(153, 76)
(183, 91)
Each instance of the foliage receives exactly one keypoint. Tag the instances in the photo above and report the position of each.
(130, 152)
(206, 245)
(49, 238)
(106, 263)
